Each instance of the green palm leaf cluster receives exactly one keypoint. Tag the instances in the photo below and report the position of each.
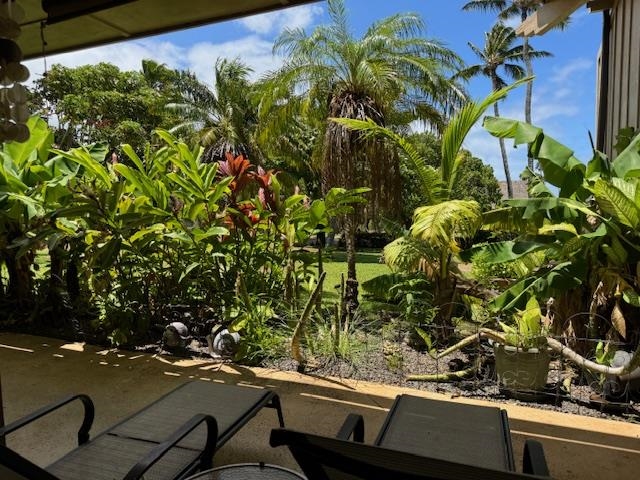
(392, 75)
(501, 53)
(506, 10)
(222, 119)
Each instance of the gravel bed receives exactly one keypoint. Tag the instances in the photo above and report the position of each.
(391, 363)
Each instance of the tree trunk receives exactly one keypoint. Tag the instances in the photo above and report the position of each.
(19, 288)
(351, 290)
(503, 150)
(529, 91)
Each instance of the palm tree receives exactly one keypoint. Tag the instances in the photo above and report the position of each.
(506, 10)
(442, 223)
(499, 52)
(223, 119)
(392, 74)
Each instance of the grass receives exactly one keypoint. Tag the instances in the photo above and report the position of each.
(368, 266)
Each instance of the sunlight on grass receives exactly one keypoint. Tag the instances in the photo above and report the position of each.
(368, 266)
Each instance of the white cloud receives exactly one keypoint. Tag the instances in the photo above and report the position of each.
(275, 22)
(126, 56)
(565, 73)
(513, 22)
(253, 49)
(198, 58)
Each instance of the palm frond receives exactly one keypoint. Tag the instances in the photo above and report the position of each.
(443, 224)
(460, 126)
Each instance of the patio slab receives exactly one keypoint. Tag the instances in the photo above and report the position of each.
(37, 370)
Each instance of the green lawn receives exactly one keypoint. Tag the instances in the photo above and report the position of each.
(368, 266)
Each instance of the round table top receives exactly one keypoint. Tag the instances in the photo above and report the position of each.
(248, 471)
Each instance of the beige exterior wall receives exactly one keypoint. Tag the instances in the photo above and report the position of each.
(623, 99)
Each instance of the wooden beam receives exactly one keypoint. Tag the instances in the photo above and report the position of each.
(548, 16)
(599, 5)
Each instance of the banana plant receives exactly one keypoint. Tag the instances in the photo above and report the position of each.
(585, 219)
(32, 186)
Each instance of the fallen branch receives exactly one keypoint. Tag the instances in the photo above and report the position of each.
(582, 362)
(450, 376)
(482, 333)
(554, 345)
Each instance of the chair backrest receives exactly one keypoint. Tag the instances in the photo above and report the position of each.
(323, 458)
(13, 466)
(2, 440)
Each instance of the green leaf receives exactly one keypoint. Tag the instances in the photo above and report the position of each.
(506, 251)
(188, 270)
(317, 212)
(107, 254)
(631, 297)
(187, 187)
(558, 227)
(442, 224)
(459, 127)
(560, 168)
(627, 163)
(614, 202)
(82, 157)
(211, 232)
(133, 156)
(37, 146)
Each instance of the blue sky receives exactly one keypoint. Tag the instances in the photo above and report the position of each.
(564, 90)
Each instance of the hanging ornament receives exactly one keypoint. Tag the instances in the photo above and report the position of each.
(13, 96)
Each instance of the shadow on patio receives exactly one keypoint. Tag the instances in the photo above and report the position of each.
(36, 371)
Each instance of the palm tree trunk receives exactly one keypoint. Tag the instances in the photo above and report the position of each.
(529, 89)
(503, 150)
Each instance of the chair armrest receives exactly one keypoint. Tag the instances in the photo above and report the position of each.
(534, 462)
(352, 426)
(157, 452)
(83, 433)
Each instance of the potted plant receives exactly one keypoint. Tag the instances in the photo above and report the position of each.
(522, 357)
(521, 351)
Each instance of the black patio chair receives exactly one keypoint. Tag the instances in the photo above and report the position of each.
(323, 458)
(170, 439)
(420, 438)
(452, 431)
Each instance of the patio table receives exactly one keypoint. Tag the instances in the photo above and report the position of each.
(248, 471)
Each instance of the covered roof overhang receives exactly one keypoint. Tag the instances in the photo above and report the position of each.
(555, 11)
(56, 26)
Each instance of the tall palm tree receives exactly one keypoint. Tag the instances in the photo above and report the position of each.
(500, 53)
(507, 9)
(224, 118)
(391, 74)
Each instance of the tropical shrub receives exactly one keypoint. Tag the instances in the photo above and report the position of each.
(131, 243)
(587, 233)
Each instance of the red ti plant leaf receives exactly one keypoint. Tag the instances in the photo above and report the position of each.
(265, 192)
(237, 167)
(242, 215)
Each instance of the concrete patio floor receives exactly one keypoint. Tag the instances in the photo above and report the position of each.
(37, 370)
